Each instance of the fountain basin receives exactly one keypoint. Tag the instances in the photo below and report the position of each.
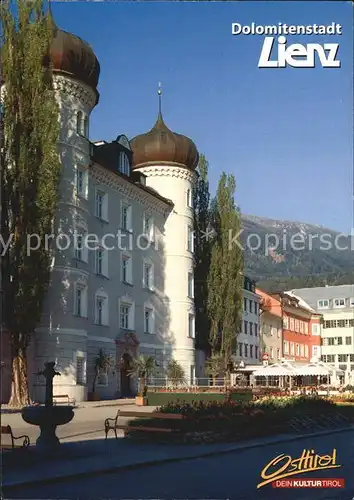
(43, 415)
(47, 418)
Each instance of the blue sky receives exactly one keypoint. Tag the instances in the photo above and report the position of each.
(286, 134)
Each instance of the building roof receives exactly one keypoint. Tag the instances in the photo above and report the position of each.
(301, 301)
(161, 146)
(105, 155)
(72, 56)
(313, 295)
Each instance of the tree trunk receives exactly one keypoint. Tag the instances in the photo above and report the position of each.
(19, 386)
(141, 385)
(94, 382)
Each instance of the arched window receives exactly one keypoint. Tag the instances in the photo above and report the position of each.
(124, 166)
(86, 126)
(79, 122)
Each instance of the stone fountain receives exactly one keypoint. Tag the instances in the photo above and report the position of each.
(48, 416)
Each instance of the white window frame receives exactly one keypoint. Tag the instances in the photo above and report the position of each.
(103, 298)
(148, 232)
(86, 126)
(189, 198)
(81, 187)
(286, 322)
(124, 164)
(336, 305)
(127, 302)
(82, 355)
(82, 287)
(126, 208)
(80, 123)
(191, 332)
(321, 304)
(292, 349)
(190, 287)
(79, 247)
(80, 229)
(190, 239)
(150, 284)
(101, 213)
(286, 347)
(124, 313)
(126, 257)
(351, 302)
(151, 330)
(315, 329)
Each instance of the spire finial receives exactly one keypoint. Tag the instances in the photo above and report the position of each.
(159, 93)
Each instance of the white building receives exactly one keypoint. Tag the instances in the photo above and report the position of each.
(124, 282)
(248, 340)
(336, 304)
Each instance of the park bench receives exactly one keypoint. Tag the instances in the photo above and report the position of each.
(63, 398)
(113, 423)
(6, 430)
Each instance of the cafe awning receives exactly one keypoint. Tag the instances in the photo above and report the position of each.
(275, 370)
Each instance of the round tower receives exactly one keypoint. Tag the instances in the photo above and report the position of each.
(62, 334)
(168, 160)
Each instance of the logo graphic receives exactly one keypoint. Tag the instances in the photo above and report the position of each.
(298, 55)
(284, 466)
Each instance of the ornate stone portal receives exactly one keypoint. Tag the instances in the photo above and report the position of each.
(127, 346)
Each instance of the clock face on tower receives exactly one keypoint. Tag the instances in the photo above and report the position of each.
(122, 139)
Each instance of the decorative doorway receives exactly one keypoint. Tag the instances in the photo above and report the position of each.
(126, 350)
(125, 377)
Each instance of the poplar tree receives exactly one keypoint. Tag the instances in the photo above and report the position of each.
(31, 176)
(202, 253)
(226, 272)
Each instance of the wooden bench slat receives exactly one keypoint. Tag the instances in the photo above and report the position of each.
(143, 428)
(164, 416)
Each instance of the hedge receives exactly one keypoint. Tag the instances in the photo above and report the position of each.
(163, 398)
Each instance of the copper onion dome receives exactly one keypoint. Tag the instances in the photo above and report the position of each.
(73, 57)
(161, 146)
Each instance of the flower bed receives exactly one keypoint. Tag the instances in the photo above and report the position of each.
(231, 420)
(342, 398)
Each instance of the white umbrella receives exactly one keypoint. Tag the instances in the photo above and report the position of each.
(275, 370)
(311, 370)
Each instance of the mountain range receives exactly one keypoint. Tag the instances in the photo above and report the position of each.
(281, 255)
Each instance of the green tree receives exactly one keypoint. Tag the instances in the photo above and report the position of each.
(102, 362)
(142, 368)
(31, 175)
(175, 373)
(202, 254)
(225, 281)
(215, 366)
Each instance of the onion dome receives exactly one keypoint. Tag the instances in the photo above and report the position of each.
(161, 146)
(73, 57)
